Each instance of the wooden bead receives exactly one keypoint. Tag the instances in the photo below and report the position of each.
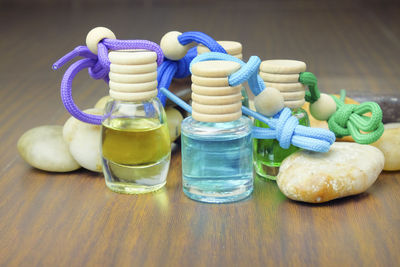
(269, 102)
(231, 47)
(215, 68)
(128, 96)
(205, 81)
(323, 108)
(132, 57)
(133, 78)
(217, 100)
(133, 69)
(283, 66)
(133, 87)
(216, 118)
(279, 78)
(217, 109)
(212, 91)
(294, 103)
(171, 46)
(287, 87)
(96, 35)
(289, 96)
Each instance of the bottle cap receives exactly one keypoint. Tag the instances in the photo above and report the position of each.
(133, 75)
(283, 75)
(231, 47)
(213, 100)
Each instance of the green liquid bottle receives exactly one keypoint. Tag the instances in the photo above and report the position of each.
(268, 154)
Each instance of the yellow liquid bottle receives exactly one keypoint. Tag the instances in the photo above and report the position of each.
(135, 146)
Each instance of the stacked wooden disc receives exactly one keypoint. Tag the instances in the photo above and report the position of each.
(133, 75)
(231, 47)
(284, 75)
(213, 100)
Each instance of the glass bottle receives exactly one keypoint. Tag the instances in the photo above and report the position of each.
(217, 151)
(284, 76)
(135, 138)
(268, 154)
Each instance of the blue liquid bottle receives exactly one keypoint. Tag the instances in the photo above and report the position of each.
(217, 150)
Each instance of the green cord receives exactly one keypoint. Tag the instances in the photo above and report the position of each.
(349, 119)
(311, 81)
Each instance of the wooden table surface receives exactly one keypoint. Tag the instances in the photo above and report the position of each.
(72, 219)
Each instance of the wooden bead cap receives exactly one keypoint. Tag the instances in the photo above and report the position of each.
(283, 66)
(279, 78)
(133, 78)
(96, 35)
(287, 87)
(269, 102)
(139, 96)
(136, 76)
(210, 102)
(215, 68)
(133, 69)
(231, 47)
(323, 108)
(295, 103)
(134, 57)
(216, 117)
(171, 46)
(217, 100)
(205, 81)
(212, 91)
(217, 109)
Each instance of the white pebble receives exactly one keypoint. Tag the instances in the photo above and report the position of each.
(44, 148)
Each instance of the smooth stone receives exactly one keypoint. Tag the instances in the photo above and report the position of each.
(84, 141)
(347, 169)
(389, 144)
(174, 121)
(101, 103)
(44, 148)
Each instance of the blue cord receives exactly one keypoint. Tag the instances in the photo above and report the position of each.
(283, 126)
(170, 69)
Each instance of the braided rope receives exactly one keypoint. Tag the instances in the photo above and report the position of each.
(311, 81)
(283, 126)
(348, 119)
(180, 68)
(98, 67)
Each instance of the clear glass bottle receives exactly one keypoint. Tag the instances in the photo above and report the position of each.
(135, 146)
(268, 154)
(217, 160)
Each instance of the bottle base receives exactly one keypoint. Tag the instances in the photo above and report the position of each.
(124, 188)
(217, 194)
(141, 179)
(267, 171)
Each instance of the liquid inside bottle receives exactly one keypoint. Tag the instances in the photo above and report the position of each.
(268, 154)
(217, 160)
(135, 146)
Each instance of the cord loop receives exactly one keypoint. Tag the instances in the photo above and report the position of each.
(98, 67)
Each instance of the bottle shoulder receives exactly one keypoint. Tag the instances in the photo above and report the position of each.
(226, 130)
(151, 109)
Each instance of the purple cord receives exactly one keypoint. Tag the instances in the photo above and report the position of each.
(99, 67)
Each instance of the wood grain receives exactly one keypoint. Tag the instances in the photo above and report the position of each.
(72, 219)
